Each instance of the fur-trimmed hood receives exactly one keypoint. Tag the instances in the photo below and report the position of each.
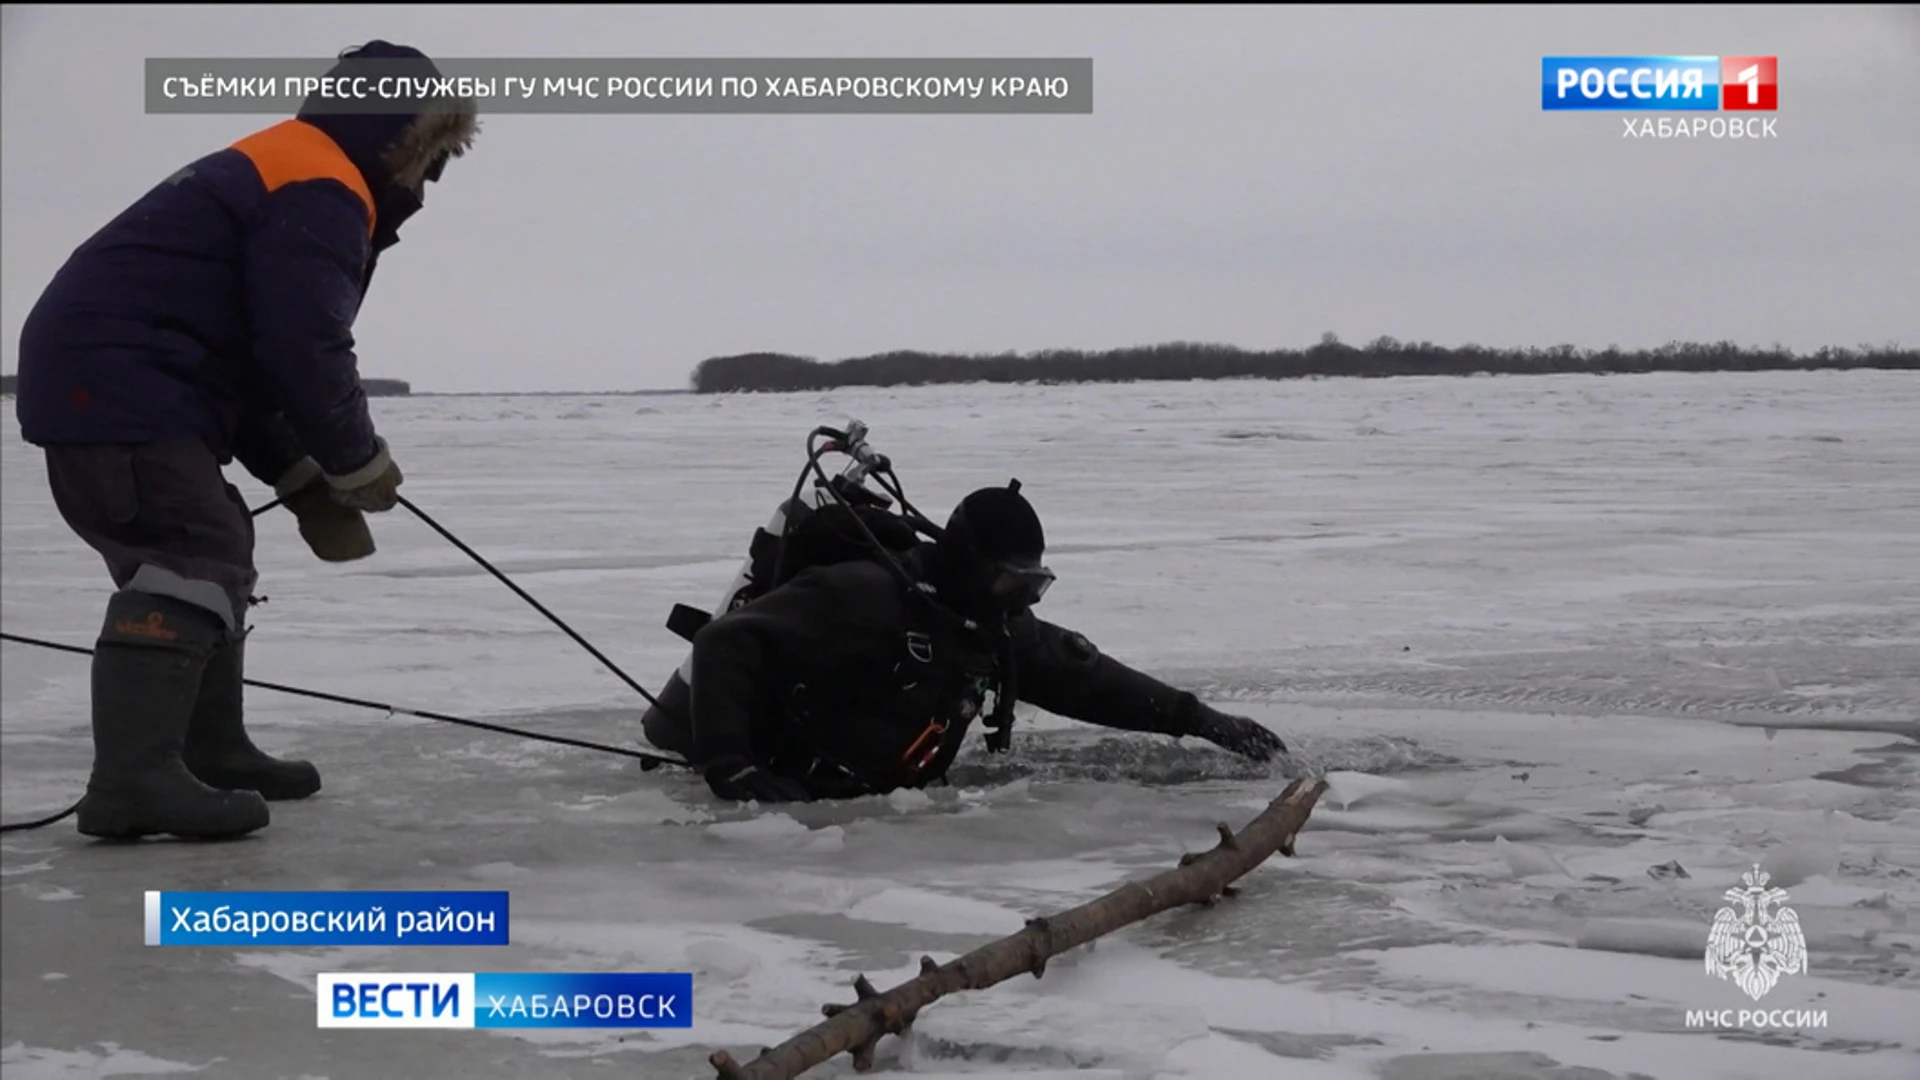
(427, 143)
(397, 153)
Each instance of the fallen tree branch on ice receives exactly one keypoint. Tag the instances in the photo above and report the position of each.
(1200, 879)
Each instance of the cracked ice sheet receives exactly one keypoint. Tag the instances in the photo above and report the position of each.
(1858, 1014)
(1130, 977)
(25, 1062)
(1556, 631)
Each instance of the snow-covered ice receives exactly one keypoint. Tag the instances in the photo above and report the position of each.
(1575, 653)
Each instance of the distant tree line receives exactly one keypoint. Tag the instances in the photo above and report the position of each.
(1180, 361)
(10, 384)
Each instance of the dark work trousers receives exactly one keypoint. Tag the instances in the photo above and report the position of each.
(163, 517)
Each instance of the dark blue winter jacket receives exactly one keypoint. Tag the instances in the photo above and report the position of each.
(221, 304)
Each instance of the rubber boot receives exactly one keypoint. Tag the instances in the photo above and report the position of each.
(218, 750)
(147, 669)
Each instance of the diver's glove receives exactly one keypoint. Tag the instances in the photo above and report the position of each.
(1235, 733)
(740, 780)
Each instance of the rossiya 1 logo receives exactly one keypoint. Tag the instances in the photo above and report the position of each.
(1641, 84)
(1756, 941)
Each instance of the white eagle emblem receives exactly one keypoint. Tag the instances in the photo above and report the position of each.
(1758, 943)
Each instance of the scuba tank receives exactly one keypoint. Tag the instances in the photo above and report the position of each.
(771, 558)
(808, 529)
(836, 519)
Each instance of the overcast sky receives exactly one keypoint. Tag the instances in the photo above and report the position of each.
(1252, 176)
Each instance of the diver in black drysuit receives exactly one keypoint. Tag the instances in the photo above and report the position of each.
(849, 681)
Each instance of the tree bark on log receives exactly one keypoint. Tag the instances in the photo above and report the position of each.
(1199, 879)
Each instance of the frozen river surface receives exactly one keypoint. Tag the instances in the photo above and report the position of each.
(1551, 638)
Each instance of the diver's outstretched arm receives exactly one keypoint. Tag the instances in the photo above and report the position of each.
(1063, 672)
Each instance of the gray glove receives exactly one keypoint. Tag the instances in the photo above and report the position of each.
(1236, 734)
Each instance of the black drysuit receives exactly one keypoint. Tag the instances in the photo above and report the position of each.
(847, 681)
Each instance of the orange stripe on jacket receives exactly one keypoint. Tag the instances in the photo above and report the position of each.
(294, 150)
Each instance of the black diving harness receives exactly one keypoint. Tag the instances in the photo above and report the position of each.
(933, 626)
(921, 594)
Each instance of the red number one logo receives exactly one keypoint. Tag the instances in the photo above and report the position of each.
(1749, 83)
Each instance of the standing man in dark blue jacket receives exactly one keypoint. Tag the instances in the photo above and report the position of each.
(212, 321)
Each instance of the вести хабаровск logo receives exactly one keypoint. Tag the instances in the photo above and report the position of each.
(384, 999)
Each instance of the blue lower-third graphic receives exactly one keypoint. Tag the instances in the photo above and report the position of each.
(380, 999)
